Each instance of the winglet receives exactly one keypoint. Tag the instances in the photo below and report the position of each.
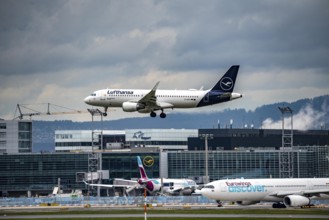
(141, 168)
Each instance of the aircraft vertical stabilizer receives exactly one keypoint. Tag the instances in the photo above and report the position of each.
(226, 83)
(141, 168)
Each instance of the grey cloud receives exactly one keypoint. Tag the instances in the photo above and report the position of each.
(94, 43)
(265, 33)
(46, 36)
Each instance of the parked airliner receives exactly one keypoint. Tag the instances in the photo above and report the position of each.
(153, 186)
(149, 101)
(284, 192)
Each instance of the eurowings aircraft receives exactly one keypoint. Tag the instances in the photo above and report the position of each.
(285, 192)
(153, 186)
(149, 101)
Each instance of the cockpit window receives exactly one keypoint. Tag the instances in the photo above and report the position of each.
(93, 94)
(209, 187)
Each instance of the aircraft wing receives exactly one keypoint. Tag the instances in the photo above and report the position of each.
(175, 190)
(307, 193)
(113, 185)
(150, 100)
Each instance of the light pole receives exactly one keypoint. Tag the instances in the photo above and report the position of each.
(206, 137)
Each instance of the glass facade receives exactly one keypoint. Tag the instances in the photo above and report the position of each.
(72, 140)
(247, 164)
(81, 140)
(38, 172)
(125, 166)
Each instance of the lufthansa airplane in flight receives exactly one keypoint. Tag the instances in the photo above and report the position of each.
(284, 192)
(149, 101)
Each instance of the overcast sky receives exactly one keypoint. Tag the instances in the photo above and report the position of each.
(61, 51)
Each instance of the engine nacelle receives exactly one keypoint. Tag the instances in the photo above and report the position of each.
(296, 200)
(246, 202)
(132, 106)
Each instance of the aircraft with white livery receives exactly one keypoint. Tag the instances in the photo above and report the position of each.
(149, 101)
(156, 185)
(292, 192)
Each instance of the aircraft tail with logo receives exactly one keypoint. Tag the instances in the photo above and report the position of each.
(141, 169)
(226, 83)
(152, 185)
(223, 90)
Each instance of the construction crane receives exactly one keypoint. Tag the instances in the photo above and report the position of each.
(34, 112)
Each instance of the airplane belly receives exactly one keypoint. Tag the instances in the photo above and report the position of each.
(182, 103)
(241, 197)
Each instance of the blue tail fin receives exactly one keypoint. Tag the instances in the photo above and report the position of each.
(226, 83)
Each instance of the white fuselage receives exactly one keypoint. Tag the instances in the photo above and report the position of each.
(263, 189)
(115, 98)
(150, 101)
(176, 186)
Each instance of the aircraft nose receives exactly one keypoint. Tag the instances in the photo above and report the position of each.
(206, 192)
(87, 100)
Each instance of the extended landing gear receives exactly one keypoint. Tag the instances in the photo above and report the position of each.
(219, 203)
(278, 205)
(105, 112)
(162, 115)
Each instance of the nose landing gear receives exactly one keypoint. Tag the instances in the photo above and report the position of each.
(105, 111)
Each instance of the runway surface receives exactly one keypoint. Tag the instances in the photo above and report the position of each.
(94, 216)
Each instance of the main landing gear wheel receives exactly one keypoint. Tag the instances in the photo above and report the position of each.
(153, 114)
(163, 115)
(219, 203)
(278, 205)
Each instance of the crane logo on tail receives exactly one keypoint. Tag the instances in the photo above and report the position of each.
(226, 83)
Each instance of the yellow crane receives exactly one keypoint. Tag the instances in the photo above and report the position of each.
(21, 108)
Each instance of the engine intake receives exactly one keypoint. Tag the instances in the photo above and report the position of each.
(132, 106)
(296, 200)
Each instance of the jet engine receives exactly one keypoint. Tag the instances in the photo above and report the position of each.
(296, 200)
(246, 202)
(132, 106)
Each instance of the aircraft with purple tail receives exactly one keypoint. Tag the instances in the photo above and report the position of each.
(154, 186)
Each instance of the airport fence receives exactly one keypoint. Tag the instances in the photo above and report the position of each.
(105, 201)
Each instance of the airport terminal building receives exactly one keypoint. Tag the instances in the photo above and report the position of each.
(164, 139)
(15, 136)
(37, 174)
(176, 153)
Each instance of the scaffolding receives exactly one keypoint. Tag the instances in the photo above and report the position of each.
(286, 156)
(94, 158)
